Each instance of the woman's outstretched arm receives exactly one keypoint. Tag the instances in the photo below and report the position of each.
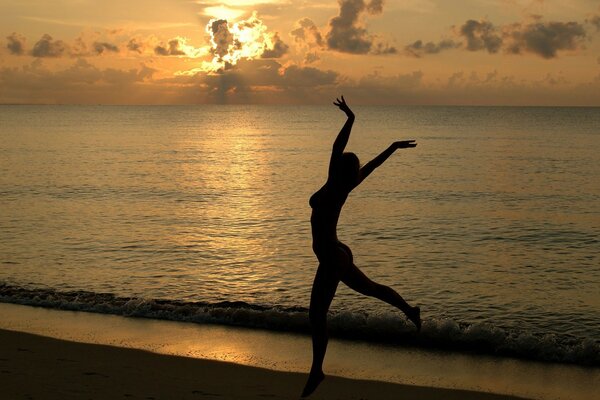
(342, 138)
(380, 159)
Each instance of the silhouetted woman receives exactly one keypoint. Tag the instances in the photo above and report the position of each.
(335, 258)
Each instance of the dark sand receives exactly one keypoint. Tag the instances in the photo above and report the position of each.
(37, 367)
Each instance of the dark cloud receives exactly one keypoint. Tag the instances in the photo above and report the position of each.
(222, 38)
(595, 20)
(101, 47)
(278, 49)
(481, 35)
(253, 73)
(346, 32)
(308, 77)
(542, 38)
(307, 32)
(383, 49)
(418, 48)
(173, 48)
(375, 7)
(135, 45)
(252, 79)
(16, 44)
(310, 58)
(545, 38)
(48, 47)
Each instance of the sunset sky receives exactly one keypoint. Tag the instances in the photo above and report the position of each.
(480, 52)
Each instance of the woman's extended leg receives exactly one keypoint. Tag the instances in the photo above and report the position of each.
(323, 290)
(355, 279)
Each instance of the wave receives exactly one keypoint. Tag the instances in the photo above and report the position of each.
(381, 328)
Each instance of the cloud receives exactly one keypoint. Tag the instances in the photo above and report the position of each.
(468, 88)
(418, 48)
(171, 49)
(310, 58)
(541, 38)
(346, 33)
(135, 45)
(383, 48)
(247, 39)
(308, 77)
(91, 44)
(16, 44)
(375, 7)
(48, 47)
(266, 81)
(595, 20)
(177, 47)
(276, 49)
(101, 47)
(308, 37)
(270, 73)
(386, 89)
(545, 38)
(307, 33)
(481, 35)
(221, 37)
(81, 83)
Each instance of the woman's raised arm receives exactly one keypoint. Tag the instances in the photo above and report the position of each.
(380, 159)
(342, 138)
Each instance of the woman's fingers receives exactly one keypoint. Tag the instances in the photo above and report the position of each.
(403, 144)
(339, 102)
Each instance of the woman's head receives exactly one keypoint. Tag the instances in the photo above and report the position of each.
(346, 173)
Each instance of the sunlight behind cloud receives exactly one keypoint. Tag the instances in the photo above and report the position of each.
(239, 3)
(223, 12)
(247, 39)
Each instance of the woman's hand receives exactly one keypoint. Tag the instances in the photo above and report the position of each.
(343, 106)
(404, 144)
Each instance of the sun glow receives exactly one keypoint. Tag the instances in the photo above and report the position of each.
(223, 12)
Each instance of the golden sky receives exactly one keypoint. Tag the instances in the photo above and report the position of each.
(480, 52)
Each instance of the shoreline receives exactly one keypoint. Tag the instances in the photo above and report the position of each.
(38, 367)
(284, 353)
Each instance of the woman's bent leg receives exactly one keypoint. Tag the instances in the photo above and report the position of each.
(323, 290)
(355, 279)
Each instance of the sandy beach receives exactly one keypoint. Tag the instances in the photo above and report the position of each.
(36, 367)
(57, 354)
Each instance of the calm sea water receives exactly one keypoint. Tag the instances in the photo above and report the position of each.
(493, 221)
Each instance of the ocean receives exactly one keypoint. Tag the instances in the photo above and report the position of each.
(200, 213)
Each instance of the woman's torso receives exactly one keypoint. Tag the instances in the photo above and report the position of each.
(326, 206)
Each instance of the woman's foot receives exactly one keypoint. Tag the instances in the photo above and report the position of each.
(414, 315)
(314, 379)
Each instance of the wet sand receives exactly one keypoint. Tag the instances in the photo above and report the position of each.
(37, 367)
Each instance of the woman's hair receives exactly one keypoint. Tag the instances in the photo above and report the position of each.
(346, 173)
